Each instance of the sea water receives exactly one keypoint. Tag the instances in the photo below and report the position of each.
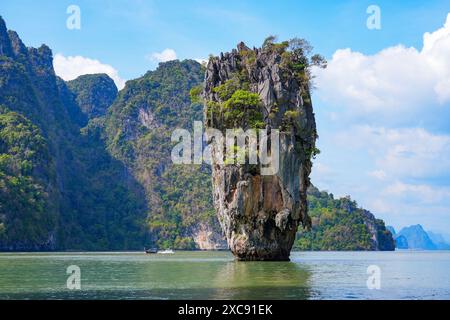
(216, 275)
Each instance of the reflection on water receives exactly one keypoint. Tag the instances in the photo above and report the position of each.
(215, 275)
(261, 280)
(184, 275)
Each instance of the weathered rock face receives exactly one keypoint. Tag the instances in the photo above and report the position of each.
(208, 238)
(260, 214)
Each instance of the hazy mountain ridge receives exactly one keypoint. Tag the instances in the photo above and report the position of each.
(415, 237)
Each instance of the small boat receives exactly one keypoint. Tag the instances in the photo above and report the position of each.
(152, 250)
(167, 251)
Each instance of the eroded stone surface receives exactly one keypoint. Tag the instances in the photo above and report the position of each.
(260, 214)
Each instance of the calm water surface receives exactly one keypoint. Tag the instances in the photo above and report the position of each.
(215, 275)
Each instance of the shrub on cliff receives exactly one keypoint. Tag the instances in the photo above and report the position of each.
(339, 224)
(242, 109)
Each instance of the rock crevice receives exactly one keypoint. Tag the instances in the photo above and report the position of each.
(260, 214)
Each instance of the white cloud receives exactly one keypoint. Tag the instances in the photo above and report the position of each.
(421, 193)
(378, 174)
(322, 175)
(400, 213)
(202, 61)
(322, 169)
(403, 152)
(396, 79)
(71, 67)
(380, 205)
(163, 56)
(384, 130)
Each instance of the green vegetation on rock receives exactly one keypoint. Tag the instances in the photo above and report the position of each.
(25, 214)
(138, 132)
(243, 109)
(83, 167)
(339, 224)
(59, 187)
(94, 93)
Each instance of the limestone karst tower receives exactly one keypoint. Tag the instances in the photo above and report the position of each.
(265, 88)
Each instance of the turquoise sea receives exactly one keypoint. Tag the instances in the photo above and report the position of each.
(216, 275)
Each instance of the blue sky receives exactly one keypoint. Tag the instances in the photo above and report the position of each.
(382, 106)
(123, 32)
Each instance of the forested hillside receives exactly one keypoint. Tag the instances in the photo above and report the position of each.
(84, 167)
(139, 125)
(59, 187)
(339, 224)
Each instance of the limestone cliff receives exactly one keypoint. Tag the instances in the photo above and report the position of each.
(260, 214)
(339, 224)
(94, 93)
(59, 187)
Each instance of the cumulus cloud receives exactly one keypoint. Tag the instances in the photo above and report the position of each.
(163, 56)
(378, 174)
(395, 79)
(71, 67)
(400, 152)
(421, 193)
(388, 141)
(202, 61)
